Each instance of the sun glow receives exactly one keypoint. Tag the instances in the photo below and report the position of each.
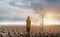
(48, 19)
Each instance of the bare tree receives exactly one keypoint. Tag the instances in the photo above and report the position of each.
(41, 11)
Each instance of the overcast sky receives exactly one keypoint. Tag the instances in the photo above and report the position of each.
(18, 10)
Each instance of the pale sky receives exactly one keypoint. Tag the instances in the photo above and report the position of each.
(17, 11)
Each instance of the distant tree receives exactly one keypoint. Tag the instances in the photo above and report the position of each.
(41, 11)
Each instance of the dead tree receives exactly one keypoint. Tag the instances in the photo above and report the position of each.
(41, 11)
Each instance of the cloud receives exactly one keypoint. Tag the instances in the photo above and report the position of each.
(18, 10)
(13, 13)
